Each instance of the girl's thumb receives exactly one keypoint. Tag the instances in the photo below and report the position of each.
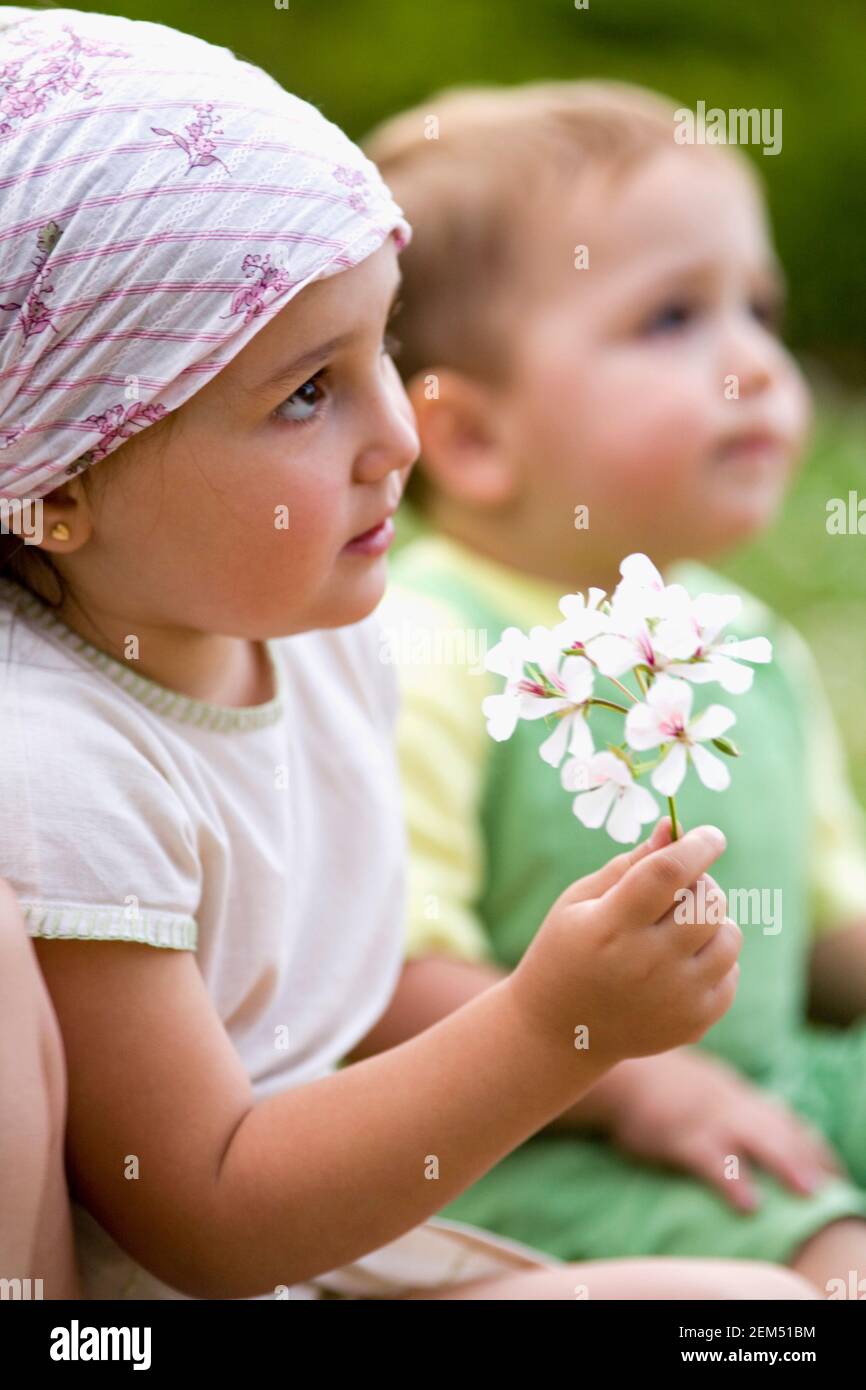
(594, 885)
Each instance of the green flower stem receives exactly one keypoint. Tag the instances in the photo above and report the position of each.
(609, 704)
(675, 825)
(624, 688)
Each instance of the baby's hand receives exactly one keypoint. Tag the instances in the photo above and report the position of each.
(695, 1112)
(612, 971)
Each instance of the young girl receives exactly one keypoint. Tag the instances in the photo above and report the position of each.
(199, 804)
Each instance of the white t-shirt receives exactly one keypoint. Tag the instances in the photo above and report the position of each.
(267, 839)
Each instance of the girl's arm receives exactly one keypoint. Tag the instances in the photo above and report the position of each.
(224, 1198)
(431, 987)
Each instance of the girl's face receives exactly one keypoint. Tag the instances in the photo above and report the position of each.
(239, 518)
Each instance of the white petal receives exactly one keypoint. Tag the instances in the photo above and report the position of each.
(710, 769)
(642, 727)
(676, 638)
(580, 744)
(592, 807)
(586, 625)
(732, 677)
(540, 706)
(575, 775)
(670, 772)
(576, 676)
(622, 824)
(712, 612)
(749, 649)
(670, 698)
(572, 605)
(698, 672)
(632, 808)
(614, 654)
(502, 713)
(711, 722)
(639, 569)
(607, 767)
(507, 657)
(646, 807)
(553, 748)
(544, 650)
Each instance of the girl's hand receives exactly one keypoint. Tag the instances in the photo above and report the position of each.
(611, 971)
(696, 1112)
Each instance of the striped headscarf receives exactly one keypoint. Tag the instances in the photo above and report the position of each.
(160, 201)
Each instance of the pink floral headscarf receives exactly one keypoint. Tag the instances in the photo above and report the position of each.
(160, 201)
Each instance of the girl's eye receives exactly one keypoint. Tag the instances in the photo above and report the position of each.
(669, 319)
(302, 404)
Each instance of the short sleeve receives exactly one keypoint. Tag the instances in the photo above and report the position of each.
(838, 868)
(441, 742)
(95, 839)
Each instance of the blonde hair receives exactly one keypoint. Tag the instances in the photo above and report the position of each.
(472, 167)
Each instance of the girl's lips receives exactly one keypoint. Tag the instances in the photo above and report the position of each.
(373, 542)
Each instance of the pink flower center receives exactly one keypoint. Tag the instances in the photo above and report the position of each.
(530, 688)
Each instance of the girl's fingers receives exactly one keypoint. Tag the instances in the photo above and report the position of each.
(723, 947)
(593, 885)
(699, 918)
(646, 891)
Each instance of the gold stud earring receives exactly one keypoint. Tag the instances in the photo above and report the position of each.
(60, 531)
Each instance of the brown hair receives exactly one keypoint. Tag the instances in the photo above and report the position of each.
(471, 168)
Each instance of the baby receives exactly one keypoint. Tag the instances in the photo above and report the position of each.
(589, 338)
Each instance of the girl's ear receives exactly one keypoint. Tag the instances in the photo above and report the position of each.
(67, 522)
(463, 450)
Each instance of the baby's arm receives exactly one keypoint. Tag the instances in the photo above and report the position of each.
(837, 975)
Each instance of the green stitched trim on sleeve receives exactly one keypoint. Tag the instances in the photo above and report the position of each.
(80, 922)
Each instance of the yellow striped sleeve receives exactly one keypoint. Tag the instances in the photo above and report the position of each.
(442, 747)
(838, 877)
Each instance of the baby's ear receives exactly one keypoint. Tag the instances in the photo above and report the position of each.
(462, 447)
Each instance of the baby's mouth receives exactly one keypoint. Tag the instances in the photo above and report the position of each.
(751, 445)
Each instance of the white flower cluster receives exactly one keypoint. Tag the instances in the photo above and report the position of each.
(668, 640)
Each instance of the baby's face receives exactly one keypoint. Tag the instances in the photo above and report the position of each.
(242, 518)
(652, 387)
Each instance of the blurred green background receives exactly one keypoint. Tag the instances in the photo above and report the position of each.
(360, 60)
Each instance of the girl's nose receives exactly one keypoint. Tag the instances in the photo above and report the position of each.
(392, 443)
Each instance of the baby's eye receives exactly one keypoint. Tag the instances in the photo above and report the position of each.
(769, 313)
(302, 404)
(668, 319)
